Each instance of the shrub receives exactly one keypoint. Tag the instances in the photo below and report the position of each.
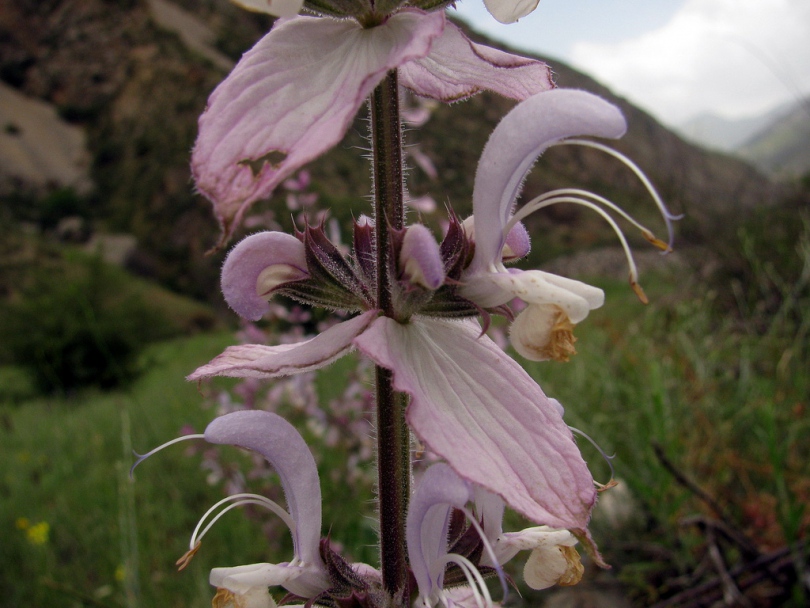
(73, 331)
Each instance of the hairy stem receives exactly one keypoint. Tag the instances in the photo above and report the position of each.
(393, 441)
(386, 142)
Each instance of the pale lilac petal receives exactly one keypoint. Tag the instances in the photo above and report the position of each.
(291, 98)
(278, 8)
(249, 579)
(246, 262)
(284, 448)
(516, 143)
(479, 410)
(456, 68)
(259, 361)
(437, 492)
(421, 259)
(509, 11)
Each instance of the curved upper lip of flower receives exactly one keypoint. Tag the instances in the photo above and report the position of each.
(284, 448)
(438, 491)
(514, 146)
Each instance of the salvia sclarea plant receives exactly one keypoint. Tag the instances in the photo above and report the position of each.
(416, 308)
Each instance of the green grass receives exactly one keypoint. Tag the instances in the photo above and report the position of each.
(66, 463)
(728, 408)
(113, 541)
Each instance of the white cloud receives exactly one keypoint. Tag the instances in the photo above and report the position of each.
(733, 57)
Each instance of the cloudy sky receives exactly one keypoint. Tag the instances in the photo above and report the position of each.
(675, 58)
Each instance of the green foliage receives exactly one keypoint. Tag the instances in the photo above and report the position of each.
(766, 264)
(674, 374)
(723, 407)
(113, 540)
(73, 331)
(46, 210)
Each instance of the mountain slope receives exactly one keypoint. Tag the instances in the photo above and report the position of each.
(137, 89)
(782, 149)
(726, 135)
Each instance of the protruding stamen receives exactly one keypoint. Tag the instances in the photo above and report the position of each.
(608, 459)
(185, 559)
(544, 201)
(655, 241)
(142, 457)
(534, 205)
(239, 500)
(668, 217)
(634, 285)
(603, 487)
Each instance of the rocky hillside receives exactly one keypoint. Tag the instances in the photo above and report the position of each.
(133, 75)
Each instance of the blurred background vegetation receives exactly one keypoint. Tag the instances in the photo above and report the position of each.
(107, 300)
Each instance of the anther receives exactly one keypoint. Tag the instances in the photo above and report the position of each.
(634, 285)
(185, 559)
(655, 241)
(603, 487)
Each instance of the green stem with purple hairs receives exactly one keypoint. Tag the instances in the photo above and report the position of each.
(393, 439)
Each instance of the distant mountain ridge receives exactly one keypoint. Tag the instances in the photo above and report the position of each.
(716, 132)
(776, 142)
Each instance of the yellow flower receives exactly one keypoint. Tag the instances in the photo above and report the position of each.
(22, 523)
(38, 533)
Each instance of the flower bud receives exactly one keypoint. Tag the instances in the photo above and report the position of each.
(420, 260)
(518, 243)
